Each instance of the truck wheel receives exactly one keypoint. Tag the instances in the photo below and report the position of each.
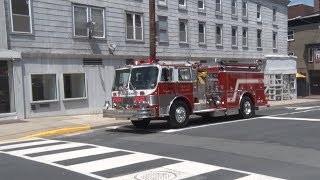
(247, 109)
(178, 115)
(141, 123)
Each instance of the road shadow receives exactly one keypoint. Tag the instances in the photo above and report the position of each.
(161, 125)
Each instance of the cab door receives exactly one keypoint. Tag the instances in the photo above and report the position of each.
(185, 83)
(166, 90)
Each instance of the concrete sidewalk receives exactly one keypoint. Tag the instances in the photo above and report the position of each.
(50, 126)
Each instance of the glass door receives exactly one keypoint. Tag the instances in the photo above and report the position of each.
(4, 88)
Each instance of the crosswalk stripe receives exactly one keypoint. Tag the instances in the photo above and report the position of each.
(18, 141)
(110, 163)
(46, 148)
(27, 144)
(258, 177)
(75, 154)
(182, 170)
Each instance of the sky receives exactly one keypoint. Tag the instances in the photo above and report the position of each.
(309, 2)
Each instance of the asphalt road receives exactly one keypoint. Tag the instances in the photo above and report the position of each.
(280, 143)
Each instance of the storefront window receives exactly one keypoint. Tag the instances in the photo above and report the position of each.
(74, 86)
(44, 87)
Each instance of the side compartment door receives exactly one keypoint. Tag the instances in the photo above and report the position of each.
(236, 83)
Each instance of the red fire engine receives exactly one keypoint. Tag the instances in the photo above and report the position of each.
(152, 90)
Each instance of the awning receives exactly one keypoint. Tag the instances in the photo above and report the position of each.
(298, 75)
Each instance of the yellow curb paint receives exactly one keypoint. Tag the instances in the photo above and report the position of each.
(59, 132)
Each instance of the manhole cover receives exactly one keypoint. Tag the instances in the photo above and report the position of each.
(156, 175)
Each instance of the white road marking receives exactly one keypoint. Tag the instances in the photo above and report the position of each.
(109, 163)
(75, 154)
(289, 118)
(46, 148)
(207, 125)
(27, 144)
(182, 169)
(258, 177)
(302, 108)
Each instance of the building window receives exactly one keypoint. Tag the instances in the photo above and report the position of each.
(234, 36)
(245, 37)
(134, 26)
(234, 7)
(290, 35)
(162, 2)
(183, 34)
(44, 87)
(201, 4)
(310, 55)
(219, 35)
(274, 13)
(202, 33)
(82, 16)
(182, 3)
(163, 29)
(259, 36)
(74, 86)
(218, 6)
(258, 12)
(275, 40)
(244, 9)
(21, 16)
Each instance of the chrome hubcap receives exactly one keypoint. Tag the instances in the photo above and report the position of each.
(181, 114)
(247, 108)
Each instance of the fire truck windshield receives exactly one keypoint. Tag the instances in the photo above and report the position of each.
(144, 78)
(121, 79)
(141, 78)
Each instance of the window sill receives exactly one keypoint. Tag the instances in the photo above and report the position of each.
(163, 5)
(259, 48)
(44, 101)
(202, 44)
(134, 41)
(182, 8)
(234, 46)
(202, 11)
(87, 37)
(22, 33)
(234, 16)
(219, 13)
(245, 47)
(219, 45)
(290, 40)
(183, 43)
(75, 99)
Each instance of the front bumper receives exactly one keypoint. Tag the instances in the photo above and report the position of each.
(130, 114)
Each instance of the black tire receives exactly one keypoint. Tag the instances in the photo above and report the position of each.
(247, 109)
(178, 115)
(141, 123)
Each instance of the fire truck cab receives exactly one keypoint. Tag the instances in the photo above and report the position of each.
(159, 91)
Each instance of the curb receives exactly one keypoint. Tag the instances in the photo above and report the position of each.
(58, 132)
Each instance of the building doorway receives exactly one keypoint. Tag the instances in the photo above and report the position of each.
(4, 88)
(315, 82)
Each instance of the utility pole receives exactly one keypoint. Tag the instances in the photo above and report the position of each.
(152, 21)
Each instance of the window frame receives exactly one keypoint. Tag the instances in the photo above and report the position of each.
(245, 29)
(221, 34)
(190, 73)
(44, 101)
(274, 14)
(134, 26)
(259, 39)
(220, 6)
(236, 37)
(203, 5)
(186, 30)
(183, 6)
(291, 35)
(167, 30)
(85, 87)
(275, 40)
(246, 9)
(204, 32)
(235, 7)
(30, 2)
(259, 12)
(310, 55)
(89, 18)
